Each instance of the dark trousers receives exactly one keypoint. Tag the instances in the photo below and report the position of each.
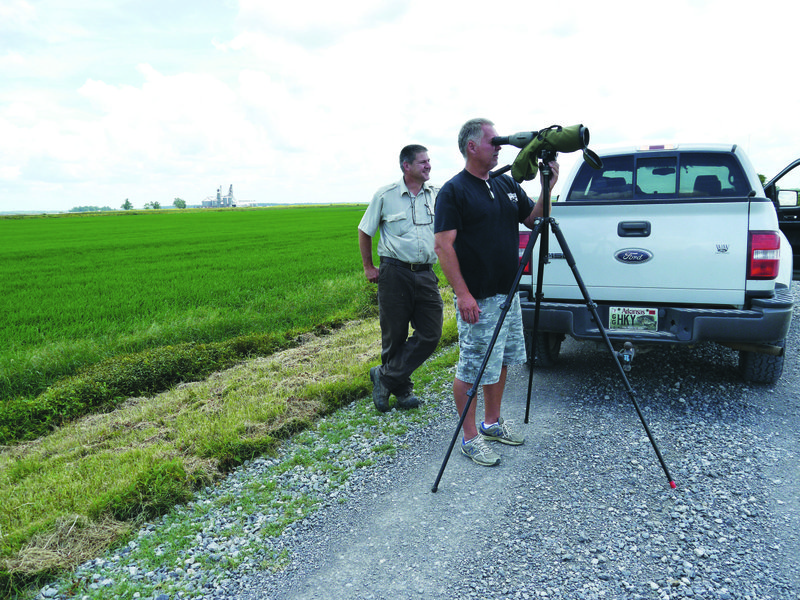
(407, 297)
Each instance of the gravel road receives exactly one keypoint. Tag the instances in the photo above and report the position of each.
(582, 511)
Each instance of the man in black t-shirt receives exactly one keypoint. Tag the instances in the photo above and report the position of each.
(477, 241)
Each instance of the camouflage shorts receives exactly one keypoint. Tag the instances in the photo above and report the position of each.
(474, 338)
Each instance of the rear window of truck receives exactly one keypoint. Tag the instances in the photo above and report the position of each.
(647, 176)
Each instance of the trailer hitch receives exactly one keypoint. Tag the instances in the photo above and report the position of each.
(626, 355)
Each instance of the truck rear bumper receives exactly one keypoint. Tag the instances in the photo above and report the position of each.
(767, 321)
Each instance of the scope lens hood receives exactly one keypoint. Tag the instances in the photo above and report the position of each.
(591, 157)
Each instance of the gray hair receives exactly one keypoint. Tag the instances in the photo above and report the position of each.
(472, 130)
(409, 154)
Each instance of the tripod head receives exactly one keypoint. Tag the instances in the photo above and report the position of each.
(547, 155)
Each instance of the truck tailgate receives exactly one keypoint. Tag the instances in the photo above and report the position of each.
(658, 252)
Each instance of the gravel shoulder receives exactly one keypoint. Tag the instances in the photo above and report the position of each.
(582, 510)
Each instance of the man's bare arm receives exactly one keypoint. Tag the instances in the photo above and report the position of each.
(365, 246)
(445, 250)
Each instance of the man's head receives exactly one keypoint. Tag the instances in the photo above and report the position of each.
(475, 143)
(414, 163)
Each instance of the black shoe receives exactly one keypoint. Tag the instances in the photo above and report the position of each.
(380, 394)
(408, 401)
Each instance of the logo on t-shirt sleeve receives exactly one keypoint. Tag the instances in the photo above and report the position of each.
(513, 197)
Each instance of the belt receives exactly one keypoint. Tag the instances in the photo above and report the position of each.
(405, 265)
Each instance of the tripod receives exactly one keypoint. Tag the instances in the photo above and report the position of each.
(541, 230)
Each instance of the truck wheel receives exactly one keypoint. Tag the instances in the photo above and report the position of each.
(548, 347)
(761, 368)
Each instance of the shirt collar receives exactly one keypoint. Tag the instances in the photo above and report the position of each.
(426, 187)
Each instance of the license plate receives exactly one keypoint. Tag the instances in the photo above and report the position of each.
(636, 319)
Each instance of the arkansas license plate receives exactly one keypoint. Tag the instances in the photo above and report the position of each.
(637, 319)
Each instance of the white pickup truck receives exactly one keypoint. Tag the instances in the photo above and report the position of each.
(676, 245)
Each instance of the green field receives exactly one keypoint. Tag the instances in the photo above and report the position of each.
(80, 289)
(145, 355)
(105, 314)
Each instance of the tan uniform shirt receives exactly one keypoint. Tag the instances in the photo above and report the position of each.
(405, 222)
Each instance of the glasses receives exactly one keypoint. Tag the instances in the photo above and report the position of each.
(426, 214)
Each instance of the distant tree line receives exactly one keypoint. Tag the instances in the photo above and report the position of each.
(78, 209)
(128, 205)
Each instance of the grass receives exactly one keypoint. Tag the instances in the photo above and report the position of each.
(115, 450)
(99, 477)
(92, 300)
(78, 290)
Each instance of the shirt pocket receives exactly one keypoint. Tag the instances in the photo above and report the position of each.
(397, 224)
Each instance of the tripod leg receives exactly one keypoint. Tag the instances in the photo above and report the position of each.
(593, 309)
(540, 229)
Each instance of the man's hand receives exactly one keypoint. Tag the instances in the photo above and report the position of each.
(538, 208)
(554, 166)
(365, 247)
(468, 308)
(371, 273)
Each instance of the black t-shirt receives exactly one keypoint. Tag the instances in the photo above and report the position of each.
(486, 216)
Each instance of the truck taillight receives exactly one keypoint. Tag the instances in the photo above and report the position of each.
(764, 253)
(523, 243)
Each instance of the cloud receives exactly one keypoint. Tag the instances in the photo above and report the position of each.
(172, 126)
(316, 23)
(13, 61)
(311, 100)
(15, 14)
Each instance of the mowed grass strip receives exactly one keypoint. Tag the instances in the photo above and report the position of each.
(252, 280)
(117, 464)
(66, 497)
(80, 289)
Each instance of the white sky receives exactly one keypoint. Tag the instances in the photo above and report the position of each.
(311, 100)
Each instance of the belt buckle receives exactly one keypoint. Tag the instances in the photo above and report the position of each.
(416, 266)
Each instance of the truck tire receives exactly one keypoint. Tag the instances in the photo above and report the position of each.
(548, 347)
(761, 368)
